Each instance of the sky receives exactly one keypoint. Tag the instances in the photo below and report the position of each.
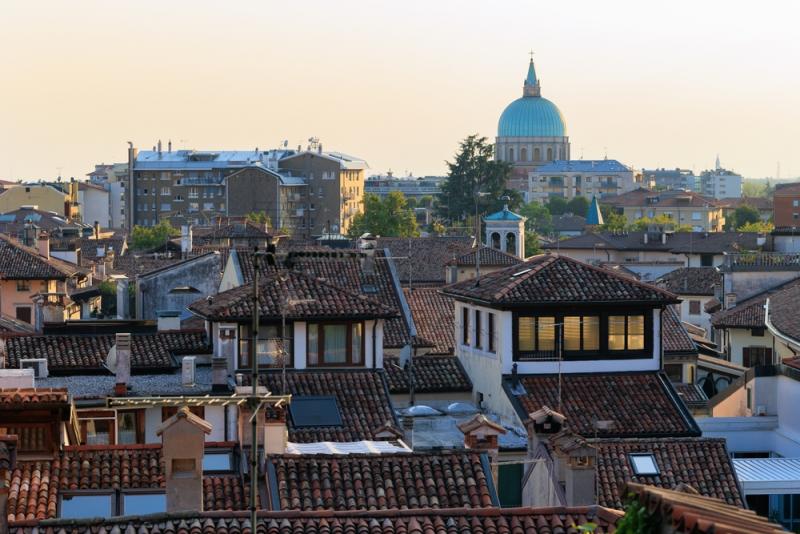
(398, 84)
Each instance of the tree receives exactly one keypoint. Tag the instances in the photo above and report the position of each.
(660, 220)
(759, 226)
(745, 215)
(539, 218)
(532, 245)
(556, 206)
(147, 237)
(258, 217)
(426, 201)
(578, 206)
(613, 221)
(474, 170)
(753, 188)
(389, 216)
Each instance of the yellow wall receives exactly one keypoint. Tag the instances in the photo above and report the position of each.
(711, 219)
(10, 297)
(45, 197)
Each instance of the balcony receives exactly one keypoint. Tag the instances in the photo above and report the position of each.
(762, 261)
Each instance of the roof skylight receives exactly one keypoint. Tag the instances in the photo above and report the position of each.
(644, 464)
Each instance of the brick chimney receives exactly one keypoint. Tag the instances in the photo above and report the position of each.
(481, 434)
(122, 370)
(8, 461)
(183, 439)
(43, 244)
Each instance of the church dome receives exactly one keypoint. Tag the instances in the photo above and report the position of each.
(531, 115)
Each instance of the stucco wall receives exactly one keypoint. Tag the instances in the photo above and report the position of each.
(738, 338)
(155, 292)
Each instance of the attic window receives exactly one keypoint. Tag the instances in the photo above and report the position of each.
(369, 288)
(315, 411)
(644, 464)
(217, 461)
(85, 505)
(143, 503)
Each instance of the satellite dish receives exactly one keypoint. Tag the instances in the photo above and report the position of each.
(111, 359)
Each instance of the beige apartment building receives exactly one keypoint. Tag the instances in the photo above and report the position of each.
(703, 214)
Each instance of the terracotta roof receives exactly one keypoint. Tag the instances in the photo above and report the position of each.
(327, 301)
(132, 264)
(641, 404)
(678, 242)
(489, 256)
(748, 314)
(35, 485)
(11, 325)
(89, 352)
(692, 281)
(551, 278)
(237, 230)
(569, 223)
(702, 463)
(759, 203)
(382, 481)
(18, 262)
(26, 397)
(783, 311)
(686, 512)
(432, 311)
(676, 338)
(445, 521)
(361, 395)
(432, 374)
(661, 199)
(691, 394)
(423, 259)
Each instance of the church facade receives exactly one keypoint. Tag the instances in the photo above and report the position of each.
(531, 132)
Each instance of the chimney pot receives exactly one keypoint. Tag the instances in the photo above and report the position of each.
(43, 245)
(123, 363)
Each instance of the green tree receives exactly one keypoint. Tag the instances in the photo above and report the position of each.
(258, 217)
(148, 237)
(539, 218)
(426, 201)
(759, 226)
(532, 244)
(745, 215)
(389, 217)
(438, 228)
(556, 206)
(613, 221)
(753, 188)
(412, 202)
(475, 170)
(660, 220)
(578, 206)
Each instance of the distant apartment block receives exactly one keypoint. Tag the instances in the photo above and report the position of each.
(579, 178)
(670, 179)
(720, 183)
(410, 187)
(703, 214)
(786, 205)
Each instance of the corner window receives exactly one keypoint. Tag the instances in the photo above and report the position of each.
(335, 343)
(625, 332)
(644, 464)
(82, 505)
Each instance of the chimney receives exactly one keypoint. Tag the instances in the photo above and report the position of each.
(542, 424)
(575, 461)
(645, 237)
(186, 240)
(8, 462)
(388, 431)
(159, 148)
(481, 435)
(96, 230)
(219, 374)
(367, 244)
(183, 439)
(43, 245)
(276, 435)
(169, 145)
(122, 364)
(188, 369)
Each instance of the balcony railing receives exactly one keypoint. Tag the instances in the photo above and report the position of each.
(763, 261)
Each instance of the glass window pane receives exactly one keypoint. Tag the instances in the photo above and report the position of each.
(220, 461)
(591, 333)
(616, 332)
(77, 506)
(636, 332)
(356, 328)
(143, 503)
(98, 431)
(313, 342)
(126, 428)
(572, 333)
(335, 343)
(547, 333)
(267, 345)
(526, 329)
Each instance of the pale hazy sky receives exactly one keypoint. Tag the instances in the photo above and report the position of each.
(398, 83)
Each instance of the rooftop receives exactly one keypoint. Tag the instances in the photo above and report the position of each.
(692, 281)
(581, 165)
(661, 199)
(422, 260)
(431, 310)
(432, 374)
(489, 256)
(18, 262)
(676, 242)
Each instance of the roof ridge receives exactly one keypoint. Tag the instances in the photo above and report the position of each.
(618, 276)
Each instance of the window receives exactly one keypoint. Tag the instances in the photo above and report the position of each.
(23, 285)
(674, 372)
(694, 307)
(696, 216)
(130, 427)
(752, 356)
(217, 461)
(85, 505)
(490, 328)
(165, 206)
(97, 431)
(581, 333)
(23, 313)
(465, 326)
(796, 203)
(143, 503)
(477, 328)
(315, 411)
(335, 344)
(706, 260)
(536, 336)
(644, 464)
(757, 331)
(625, 332)
(165, 191)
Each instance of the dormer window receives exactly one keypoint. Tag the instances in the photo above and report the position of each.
(626, 332)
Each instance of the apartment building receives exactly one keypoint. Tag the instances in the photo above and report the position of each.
(575, 178)
(703, 214)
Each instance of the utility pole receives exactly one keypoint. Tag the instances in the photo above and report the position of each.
(254, 401)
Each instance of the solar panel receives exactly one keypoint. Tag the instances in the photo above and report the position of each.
(314, 411)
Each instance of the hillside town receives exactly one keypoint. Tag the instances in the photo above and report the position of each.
(282, 339)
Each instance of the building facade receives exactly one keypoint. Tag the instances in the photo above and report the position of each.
(721, 183)
(579, 178)
(786, 205)
(670, 179)
(702, 213)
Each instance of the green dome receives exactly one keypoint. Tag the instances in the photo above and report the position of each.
(531, 116)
